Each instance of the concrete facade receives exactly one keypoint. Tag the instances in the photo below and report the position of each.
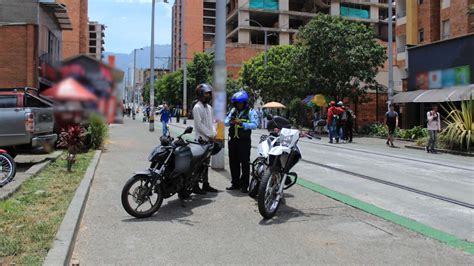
(96, 39)
(196, 32)
(76, 41)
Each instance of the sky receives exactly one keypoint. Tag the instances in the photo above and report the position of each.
(128, 23)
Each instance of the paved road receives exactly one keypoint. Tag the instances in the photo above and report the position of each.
(345, 167)
(227, 228)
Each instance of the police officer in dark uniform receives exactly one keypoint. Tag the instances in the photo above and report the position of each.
(241, 120)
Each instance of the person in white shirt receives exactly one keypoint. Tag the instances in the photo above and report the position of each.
(204, 127)
(434, 127)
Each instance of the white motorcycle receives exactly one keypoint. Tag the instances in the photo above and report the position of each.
(277, 157)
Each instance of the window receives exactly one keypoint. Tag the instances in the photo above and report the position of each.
(445, 3)
(32, 101)
(7, 101)
(445, 29)
(421, 36)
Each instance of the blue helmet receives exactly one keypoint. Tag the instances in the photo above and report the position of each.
(240, 97)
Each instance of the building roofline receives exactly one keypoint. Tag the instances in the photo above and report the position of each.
(60, 13)
(441, 41)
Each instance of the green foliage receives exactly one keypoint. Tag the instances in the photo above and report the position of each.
(413, 133)
(460, 128)
(280, 80)
(97, 132)
(342, 57)
(375, 129)
(73, 140)
(298, 111)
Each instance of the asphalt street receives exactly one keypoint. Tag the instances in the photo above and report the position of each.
(226, 228)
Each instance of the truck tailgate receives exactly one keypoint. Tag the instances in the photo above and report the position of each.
(12, 127)
(44, 120)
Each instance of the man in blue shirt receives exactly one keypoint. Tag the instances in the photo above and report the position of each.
(165, 118)
(241, 120)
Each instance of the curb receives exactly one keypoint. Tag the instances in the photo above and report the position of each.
(63, 246)
(16, 184)
(467, 154)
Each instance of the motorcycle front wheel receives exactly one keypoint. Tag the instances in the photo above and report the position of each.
(7, 169)
(253, 187)
(139, 198)
(268, 198)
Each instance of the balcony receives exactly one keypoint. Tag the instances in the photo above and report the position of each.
(401, 18)
(401, 53)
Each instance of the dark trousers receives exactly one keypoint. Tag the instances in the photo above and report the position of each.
(239, 160)
(349, 131)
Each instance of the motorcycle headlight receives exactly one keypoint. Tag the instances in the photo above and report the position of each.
(286, 140)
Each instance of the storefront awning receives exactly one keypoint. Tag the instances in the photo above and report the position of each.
(454, 94)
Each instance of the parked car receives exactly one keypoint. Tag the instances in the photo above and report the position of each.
(27, 122)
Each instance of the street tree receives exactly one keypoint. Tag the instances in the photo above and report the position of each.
(279, 80)
(341, 57)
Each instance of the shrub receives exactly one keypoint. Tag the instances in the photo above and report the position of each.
(375, 129)
(97, 132)
(460, 129)
(413, 133)
(73, 140)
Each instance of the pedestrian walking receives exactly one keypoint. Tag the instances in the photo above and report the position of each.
(391, 122)
(204, 128)
(333, 116)
(434, 127)
(350, 123)
(241, 120)
(165, 118)
(178, 113)
(342, 123)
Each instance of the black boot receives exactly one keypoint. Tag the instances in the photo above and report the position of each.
(206, 187)
(198, 190)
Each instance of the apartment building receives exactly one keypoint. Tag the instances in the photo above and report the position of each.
(247, 21)
(435, 52)
(193, 23)
(96, 39)
(76, 41)
(31, 34)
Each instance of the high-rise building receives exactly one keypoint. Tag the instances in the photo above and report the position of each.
(76, 42)
(31, 34)
(96, 39)
(193, 30)
(422, 22)
(435, 53)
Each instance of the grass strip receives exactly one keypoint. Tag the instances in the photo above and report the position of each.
(30, 218)
(413, 225)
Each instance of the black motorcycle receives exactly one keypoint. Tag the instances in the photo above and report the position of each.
(176, 168)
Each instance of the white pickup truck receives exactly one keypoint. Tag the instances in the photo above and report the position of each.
(26, 122)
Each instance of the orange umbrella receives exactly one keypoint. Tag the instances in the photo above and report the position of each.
(69, 90)
(274, 105)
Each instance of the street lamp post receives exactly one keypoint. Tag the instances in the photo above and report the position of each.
(152, 68)
(134, 85)
(266, 37)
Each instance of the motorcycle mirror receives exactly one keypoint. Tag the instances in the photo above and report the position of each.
(188, 130)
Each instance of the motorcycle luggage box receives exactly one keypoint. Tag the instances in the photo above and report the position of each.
(183, 157)
(199, 152)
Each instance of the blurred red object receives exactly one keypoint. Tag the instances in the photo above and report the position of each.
(69, 90)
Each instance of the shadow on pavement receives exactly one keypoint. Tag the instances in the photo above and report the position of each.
(174, 211)
(286, 213)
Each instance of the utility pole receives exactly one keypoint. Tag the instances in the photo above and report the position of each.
(265, 32)
(134, 85)
(220, 79)
(185, 79)
(183, 62)
(390, 53)
(152, 69)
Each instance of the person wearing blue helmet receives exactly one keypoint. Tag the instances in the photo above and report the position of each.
(241, 120)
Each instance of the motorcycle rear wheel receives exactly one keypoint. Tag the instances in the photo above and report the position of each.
(140, 195)
(268, 200)
(7, 169)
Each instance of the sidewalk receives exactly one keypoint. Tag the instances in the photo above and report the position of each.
(226, 228)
